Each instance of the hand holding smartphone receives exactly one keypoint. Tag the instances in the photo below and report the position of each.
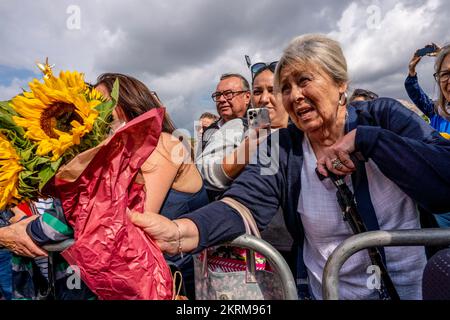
(258, 118)
(429, 50)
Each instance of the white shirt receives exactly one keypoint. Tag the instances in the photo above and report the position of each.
(325, 230)
(222, 142)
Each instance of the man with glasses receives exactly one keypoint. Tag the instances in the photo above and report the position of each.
(232, 98)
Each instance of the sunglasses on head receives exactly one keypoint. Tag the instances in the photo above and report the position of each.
(258, 67)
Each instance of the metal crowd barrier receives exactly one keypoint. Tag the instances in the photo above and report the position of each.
(276, 260)
(420, 237)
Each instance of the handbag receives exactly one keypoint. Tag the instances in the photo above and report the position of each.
(237, 280)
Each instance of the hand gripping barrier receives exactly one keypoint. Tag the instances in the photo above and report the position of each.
(277, 262)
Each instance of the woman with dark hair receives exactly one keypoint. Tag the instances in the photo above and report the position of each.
(172, 184)
(134, 98)
(264, 96)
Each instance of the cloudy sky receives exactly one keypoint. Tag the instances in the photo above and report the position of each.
(179, 48)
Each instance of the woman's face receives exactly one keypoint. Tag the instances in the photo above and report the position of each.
(263, 96)
(118, 115)
(310, 96)
(445, 86)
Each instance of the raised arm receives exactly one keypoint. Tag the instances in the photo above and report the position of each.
(211, 161)
(415, 92)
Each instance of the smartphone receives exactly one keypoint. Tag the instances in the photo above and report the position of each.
(258, 118)
(427, 50)
(248, 61)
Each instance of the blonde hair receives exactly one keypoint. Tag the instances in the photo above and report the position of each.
(314, 49)
(442, 102)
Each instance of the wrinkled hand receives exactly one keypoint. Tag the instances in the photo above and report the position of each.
(159, 228)
(16, 239)
(412, 64)
(339, 154)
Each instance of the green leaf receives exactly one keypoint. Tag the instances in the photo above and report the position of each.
(47, 173)
(7, 122)
(6, 108)
(26, 154)
(115, 91)
(105, 109)
(35, 162)
(56, 164)
(25, 174)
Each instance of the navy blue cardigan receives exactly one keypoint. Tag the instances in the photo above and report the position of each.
(405, 148)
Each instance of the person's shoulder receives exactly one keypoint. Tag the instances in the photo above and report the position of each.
(232, 128)
(292, 131)
(235, 123)
(380, 105)
(167, 141)
(214, 126)
(387, 113)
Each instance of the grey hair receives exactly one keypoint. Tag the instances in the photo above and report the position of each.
(314, 49)
(245, 84)
(442, 102)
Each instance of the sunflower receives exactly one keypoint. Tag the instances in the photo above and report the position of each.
(58, 112)
(9, 173)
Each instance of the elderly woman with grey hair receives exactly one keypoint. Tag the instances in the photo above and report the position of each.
(402, 165)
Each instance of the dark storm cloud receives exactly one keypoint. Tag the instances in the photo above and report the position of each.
(194, 33)
(180, 47)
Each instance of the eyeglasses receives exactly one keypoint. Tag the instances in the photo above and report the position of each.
(228, 94)
(442, 76)
(257, 67)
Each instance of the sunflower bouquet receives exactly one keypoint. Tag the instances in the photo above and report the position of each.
(46, 127)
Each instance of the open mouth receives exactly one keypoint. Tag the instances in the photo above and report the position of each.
(303, 112)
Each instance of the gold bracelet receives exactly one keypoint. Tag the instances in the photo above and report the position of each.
(180, 250)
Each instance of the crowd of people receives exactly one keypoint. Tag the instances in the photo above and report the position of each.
(395, 163)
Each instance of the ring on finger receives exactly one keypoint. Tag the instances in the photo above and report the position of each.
(336, 163)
